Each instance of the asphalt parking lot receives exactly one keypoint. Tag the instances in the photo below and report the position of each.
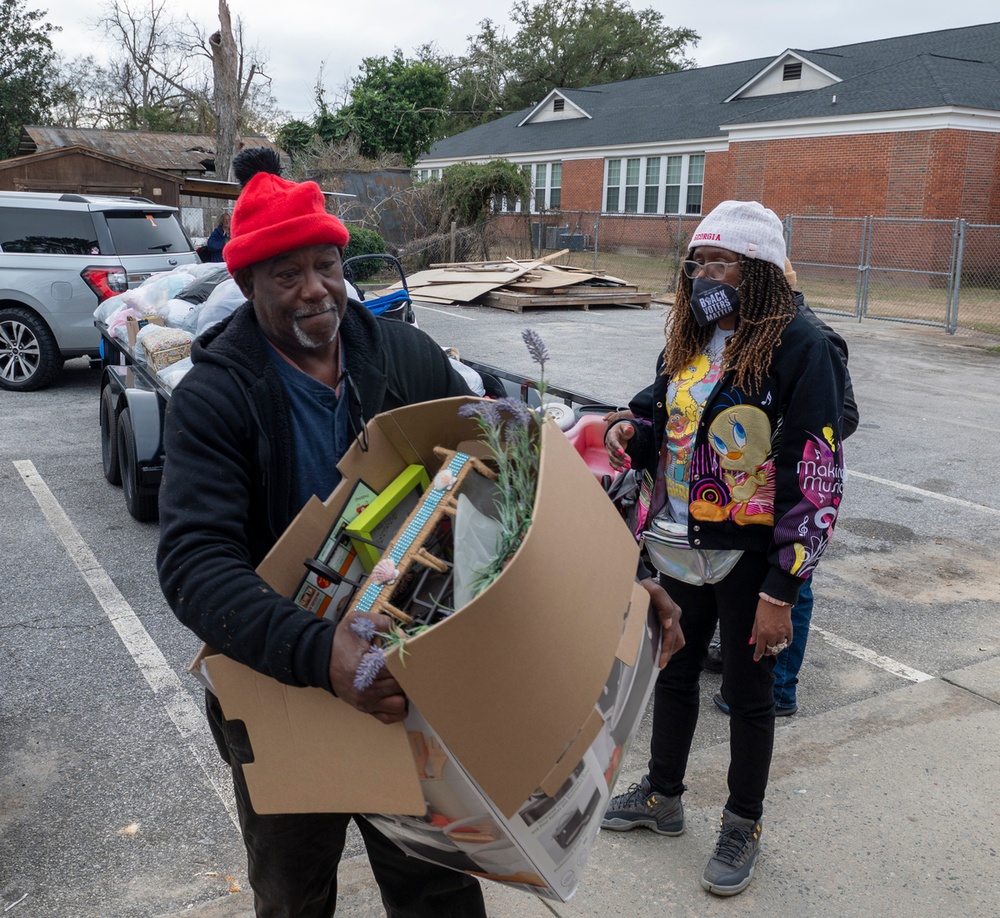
(113, 802)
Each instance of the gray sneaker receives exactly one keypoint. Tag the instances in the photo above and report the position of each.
(731, 868)
(640, 805)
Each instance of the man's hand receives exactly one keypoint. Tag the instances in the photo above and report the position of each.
(616, 443)
(383, 699)
(669, 614)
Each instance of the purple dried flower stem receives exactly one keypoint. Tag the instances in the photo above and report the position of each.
(368, 669)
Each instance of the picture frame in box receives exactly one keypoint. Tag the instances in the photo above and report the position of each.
(392, 505)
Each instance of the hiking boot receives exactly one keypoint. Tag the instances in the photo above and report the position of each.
(730, 869)
(640, 805)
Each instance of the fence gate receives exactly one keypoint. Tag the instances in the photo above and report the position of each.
(827, 254)
(908, 271)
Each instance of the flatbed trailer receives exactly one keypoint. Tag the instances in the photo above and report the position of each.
(133, 408)
(134, 404)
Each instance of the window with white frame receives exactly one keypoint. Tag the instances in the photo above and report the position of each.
(425, 175)
(632, 186)
(655, 184)
(695, 183)
(546, 186)
(651, 202)
(612, 184)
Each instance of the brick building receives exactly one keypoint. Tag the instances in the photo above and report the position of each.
(901, 127)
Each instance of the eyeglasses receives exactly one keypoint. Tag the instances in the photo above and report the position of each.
(713, 270)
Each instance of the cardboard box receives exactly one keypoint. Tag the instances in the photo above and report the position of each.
(545, 845)
(508, 690)
(132, 326)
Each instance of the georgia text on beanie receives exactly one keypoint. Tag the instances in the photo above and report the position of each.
(746, 228)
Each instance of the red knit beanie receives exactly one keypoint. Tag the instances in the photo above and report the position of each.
(273, 215)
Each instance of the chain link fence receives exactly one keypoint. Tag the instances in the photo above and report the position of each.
(941, 273)
(644, 251)
(978, 279)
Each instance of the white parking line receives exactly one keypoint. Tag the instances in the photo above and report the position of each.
(445, 312)
(899, 486)
(869, 656)
(165, 683)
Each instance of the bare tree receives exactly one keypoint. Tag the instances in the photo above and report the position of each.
(157, 85)
(173, 76)
(225, 67)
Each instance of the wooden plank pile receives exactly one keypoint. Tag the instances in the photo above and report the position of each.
(517, 285)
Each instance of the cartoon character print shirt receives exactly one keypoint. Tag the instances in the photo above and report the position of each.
(686, 396)
(733, 479)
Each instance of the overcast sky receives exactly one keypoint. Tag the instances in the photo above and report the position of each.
(301, 35)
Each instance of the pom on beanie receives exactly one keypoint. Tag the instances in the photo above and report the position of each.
(273, 215)
(247, 163)
(746, 228)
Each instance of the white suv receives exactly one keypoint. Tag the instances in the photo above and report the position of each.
(60, 256)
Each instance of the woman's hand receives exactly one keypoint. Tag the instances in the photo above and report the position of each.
(669, 614)
(616, 442)
(772, 629)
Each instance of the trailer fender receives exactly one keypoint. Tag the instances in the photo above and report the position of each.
(146, 411)
(113, 384)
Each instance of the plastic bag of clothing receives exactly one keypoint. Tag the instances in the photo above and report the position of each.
(180, 313)
(173, 374)
(206, 278)
(472, 379)
(222, 301)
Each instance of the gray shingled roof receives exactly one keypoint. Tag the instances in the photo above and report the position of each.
(958, 67)
(180, 153)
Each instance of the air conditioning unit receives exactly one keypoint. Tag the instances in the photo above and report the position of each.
(575, 242)
(553, 235)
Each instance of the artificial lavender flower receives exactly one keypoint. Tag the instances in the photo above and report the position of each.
(368, 669)
(364, 628)
(486, 411)
(536, 347)
(518, 411)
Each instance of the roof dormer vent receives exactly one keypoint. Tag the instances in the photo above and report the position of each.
(792, 71)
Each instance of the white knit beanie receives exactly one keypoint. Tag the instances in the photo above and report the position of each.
(745, 227)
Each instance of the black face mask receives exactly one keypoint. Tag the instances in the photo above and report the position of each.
(712, 300)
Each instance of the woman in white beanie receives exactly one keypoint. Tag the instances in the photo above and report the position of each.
(738, 443)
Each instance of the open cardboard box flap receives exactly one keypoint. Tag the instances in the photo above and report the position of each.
(508, 682)
(302, 763)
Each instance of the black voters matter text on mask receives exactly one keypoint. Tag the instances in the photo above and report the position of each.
(712, 301)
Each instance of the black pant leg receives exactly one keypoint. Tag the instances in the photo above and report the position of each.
(414, 888)
(292, 859)
(676, 695)
(747, 687)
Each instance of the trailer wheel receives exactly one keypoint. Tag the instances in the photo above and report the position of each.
(109, 438)
(142, 507)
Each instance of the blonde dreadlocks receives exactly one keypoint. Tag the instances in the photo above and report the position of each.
(767, 305)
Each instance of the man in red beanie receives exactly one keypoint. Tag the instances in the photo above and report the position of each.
(276, 395)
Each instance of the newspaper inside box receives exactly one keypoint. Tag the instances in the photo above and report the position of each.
(521, 702)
